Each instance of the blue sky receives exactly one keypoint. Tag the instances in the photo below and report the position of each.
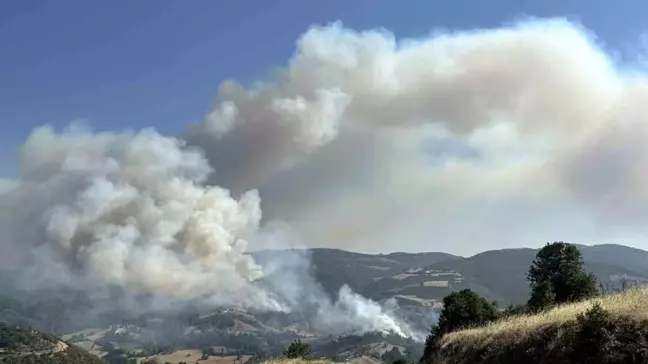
(134, 64)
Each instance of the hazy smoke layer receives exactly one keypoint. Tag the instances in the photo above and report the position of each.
(458, 142)
(487, 138)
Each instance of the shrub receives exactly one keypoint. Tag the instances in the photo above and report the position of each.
(297, 350)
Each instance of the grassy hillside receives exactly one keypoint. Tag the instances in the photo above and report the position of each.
(23, 345)
(617, 334)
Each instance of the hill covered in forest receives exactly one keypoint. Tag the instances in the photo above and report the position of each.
(26, 345)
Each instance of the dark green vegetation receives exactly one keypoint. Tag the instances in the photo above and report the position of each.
(23, 345)
(556, 276)
(298, 350)
(460, 310)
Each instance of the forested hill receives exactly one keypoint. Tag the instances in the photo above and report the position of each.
(26, 345)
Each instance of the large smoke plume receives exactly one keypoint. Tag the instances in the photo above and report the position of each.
(506, 136)
(482, 139)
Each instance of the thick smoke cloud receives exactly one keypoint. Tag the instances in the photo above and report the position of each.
(126, 217)
(127, 210)
(459, 142)
(482, 139)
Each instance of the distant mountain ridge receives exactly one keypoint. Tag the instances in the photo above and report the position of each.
(333, 268)
(418, 281)
(499, 275)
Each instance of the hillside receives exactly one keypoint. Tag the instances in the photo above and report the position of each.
(618, 334)
(417, 281)
(500, 275)
(22, 345)
(425, 278)
(333, 268)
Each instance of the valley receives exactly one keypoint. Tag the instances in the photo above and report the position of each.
(416, 282)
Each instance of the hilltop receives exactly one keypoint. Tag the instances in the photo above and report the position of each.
(603, 328)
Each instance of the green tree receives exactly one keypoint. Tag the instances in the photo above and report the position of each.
(542, 296)
(556, 276)
(465, 308)
(460, 310)
(297, 350)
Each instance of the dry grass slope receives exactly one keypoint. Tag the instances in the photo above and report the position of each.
(633, 303)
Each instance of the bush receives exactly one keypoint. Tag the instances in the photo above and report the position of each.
(460, 310)
(297, 350)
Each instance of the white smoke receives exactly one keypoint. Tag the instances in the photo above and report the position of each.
(360, 315)
(289, 278)
(131, 211)
(127, 210)
(487, 138)
(484, 138)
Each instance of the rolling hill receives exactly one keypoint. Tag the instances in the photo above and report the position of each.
(24, 345)
(333, 268)
(425, 278)
(417, 281)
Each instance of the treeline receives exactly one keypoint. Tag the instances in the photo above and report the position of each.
(556, 277)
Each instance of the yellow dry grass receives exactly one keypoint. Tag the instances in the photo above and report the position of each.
(633, 303)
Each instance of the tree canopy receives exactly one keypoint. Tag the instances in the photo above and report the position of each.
(557, 276)
(465, 308)
(460, 310)
(297, 350)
